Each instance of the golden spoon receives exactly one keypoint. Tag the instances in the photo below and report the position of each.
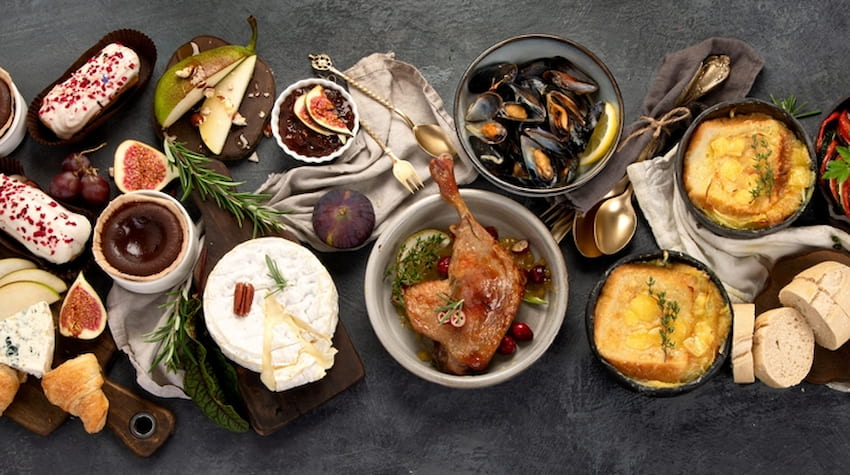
(430, 137)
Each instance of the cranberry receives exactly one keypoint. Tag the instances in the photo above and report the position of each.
(64, 186)
(443, 266)
(493, 231)
(521, 331)
(537, 274)
(507, 346)
(95, 189)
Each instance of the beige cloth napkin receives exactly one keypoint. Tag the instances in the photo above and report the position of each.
(741, 264)
(364, 167)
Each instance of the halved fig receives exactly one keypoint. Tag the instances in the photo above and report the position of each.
(139, 166)
(343, 218)
(324, 112)
(82, 314)
(300, 111)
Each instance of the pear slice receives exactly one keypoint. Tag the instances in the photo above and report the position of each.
(222, 106)
(323, 111)
(35, 275)
(182, 85)
(17, 296)
(11, 264)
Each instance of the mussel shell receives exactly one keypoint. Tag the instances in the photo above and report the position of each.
(542, 164)
(521, 104)
(569, 82)
(490, 131)
(489, 76)
(486, 106)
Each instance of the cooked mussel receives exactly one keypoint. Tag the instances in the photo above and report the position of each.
(490, 76)
(563, 112)
(539, 162)
(490, 131)
(484, 107)
(569, 82)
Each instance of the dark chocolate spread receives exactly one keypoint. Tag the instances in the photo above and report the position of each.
(142, 238)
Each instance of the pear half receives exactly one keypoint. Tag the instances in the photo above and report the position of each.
(222, 106)
(182, 85)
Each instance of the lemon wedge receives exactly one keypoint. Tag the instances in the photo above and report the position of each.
(602, 138)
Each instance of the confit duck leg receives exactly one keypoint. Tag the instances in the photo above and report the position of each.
(481, 273)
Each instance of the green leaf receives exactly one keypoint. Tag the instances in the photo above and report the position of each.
(839, 169)
(201, 384)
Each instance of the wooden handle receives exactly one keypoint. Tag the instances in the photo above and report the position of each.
(142, 425)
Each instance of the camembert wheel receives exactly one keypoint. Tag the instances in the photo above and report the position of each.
(286, 332)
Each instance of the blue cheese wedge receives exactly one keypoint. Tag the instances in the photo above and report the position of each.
(286, 336)
(27, 339)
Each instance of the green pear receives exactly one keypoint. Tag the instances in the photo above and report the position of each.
(35, 275)
(219, 109)
(17, 296)
(11, 264)
(183, 84)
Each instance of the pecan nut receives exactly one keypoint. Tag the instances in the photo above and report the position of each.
(243, 296)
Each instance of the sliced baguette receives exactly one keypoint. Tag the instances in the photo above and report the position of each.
(831, 326)
(832, 278)
(742, 342)
(783, 347)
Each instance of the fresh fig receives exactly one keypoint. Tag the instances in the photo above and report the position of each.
(82, 314)
(343, 218)
(300, 111)
(139, 166)
(324, 112)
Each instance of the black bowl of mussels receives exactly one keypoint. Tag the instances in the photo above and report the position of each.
(539, 115)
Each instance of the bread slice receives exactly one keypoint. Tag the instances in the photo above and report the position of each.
(743, 325)
(831, 326)
(832, 278)
(783, 347)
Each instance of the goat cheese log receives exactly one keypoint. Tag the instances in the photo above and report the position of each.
(74, 102)
(43, 226)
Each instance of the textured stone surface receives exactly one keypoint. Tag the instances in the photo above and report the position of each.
(564, 414)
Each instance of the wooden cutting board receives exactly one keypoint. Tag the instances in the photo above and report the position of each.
(269, 411)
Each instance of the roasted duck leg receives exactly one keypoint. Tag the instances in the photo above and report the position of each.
(482, 274)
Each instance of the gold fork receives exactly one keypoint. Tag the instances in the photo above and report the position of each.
(402, 169)
(559, 219)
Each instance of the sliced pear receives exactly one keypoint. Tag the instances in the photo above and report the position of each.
(17, 296)
(182, 85)
(35, 275)
(323, 111)
(11, 264)
(220, 108)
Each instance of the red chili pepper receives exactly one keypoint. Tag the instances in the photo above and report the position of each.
(823, 125)
(828, 157)
(844, 127)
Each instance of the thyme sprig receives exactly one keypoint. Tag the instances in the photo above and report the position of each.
(669, 314)
(451, 312)
(275, 275)
(765, 178)
(415, 265)
(789, 104)
(194, 173)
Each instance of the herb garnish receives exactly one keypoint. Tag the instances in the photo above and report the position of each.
(451, 312)
(789, 104)
(765, 179)
(209, 378)
(415, 265)
(839, 169)
(275, 275)
(194, 173)
(669, 314)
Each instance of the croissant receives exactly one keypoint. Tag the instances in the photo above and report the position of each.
(10, 381)
(75, 386)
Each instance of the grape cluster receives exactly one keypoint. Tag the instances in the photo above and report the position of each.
(79, 179)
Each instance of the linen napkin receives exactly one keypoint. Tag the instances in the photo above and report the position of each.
(741, 264)
(673, 74)
(364, 167)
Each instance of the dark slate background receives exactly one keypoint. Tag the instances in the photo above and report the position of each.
(565, 414)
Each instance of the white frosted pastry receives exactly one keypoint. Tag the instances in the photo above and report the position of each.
(286, 335)
(45, 227)
(74, 102)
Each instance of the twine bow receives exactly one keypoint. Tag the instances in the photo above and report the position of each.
(657, 126)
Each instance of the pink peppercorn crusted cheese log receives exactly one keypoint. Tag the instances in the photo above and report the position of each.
(42, 225)
(73, 103)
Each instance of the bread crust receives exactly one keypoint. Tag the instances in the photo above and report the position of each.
(783, 347)
(743, 325)
(10, 382)
(75, 386)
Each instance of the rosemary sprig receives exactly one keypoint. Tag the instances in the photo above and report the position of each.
(765, 178)
(790, 105)
(173, 335)
(275, 275)
(669, 314)
(194, 173)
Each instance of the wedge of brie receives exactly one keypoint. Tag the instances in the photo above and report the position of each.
(287, 334)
